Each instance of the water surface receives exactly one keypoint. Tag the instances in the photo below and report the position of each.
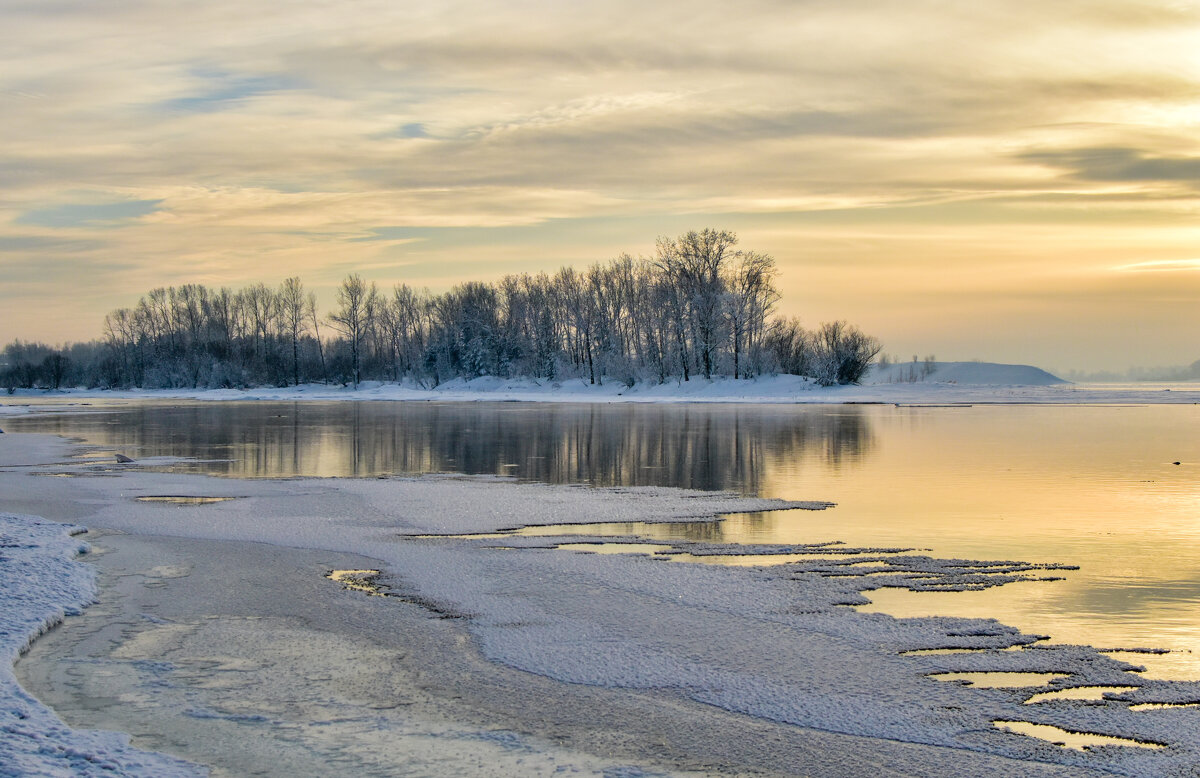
(1091, 486)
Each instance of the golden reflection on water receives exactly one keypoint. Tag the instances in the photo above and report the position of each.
(999, 680)
(747, 560)
(745, 528)
(1163, 705)
(614, 548)
(1080, 741)
(949, 651)
(1089, 693)
(1033, 607)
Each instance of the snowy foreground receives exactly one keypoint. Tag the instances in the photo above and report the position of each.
(772, 645)
(948, 383)
(39, 585)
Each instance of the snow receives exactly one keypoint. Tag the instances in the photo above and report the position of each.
(40, 583)
(950, 383)
(776, 643)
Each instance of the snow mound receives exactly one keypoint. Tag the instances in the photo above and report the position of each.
(979, 373)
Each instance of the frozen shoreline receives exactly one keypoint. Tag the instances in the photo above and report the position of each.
(41, 583)
(774, 643)
(780, 389)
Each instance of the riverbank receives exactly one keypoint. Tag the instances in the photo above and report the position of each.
(780, 389)
(219, 617)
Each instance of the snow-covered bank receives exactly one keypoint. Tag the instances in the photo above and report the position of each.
(40, 583)
(960, 383)
(774, 643)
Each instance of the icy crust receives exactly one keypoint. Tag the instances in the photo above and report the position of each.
(929, 574)
(40, 583)
(887, 567)
(454, 505)
(10, 408)
(773, 642)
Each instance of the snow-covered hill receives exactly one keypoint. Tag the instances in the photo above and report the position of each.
(985, 373)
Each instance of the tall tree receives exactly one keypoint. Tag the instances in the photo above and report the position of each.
(353, 318)
(311, 310)
(750, 300)
(292, 307)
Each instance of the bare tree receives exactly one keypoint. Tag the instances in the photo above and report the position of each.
(311, 310)
(791, 346)
(402, 327)
(750, 300)
(843, 353)
(356, 308)
(694, 265)
(292, 314)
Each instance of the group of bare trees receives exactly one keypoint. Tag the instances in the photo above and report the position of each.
(698, 307)
(193, 336)
(835, 353)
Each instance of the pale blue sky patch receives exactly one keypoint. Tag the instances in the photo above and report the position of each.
(413, 130)
(221, 91)
(409, 131)
(96, 215)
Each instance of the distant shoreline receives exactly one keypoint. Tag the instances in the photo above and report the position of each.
(783, 389)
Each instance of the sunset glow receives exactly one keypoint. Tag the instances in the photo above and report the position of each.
(1012, 181)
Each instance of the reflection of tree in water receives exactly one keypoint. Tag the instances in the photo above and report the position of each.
(703, 447)
(697, 447)
(735, 527)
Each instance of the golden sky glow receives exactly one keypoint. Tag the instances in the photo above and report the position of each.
(1011, 180)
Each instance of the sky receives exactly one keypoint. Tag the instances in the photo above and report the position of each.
(1005, 180)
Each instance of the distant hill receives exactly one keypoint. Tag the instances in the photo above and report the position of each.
(988, 373)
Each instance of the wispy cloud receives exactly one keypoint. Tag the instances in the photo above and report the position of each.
(1120, 164)
(1161, 266)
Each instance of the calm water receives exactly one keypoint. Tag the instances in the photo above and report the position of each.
(1084, 485)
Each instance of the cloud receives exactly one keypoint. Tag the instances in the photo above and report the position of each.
(1119, 164)
(45, 243)
(267, 210)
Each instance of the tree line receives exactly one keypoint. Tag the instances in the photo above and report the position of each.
(698, 307)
